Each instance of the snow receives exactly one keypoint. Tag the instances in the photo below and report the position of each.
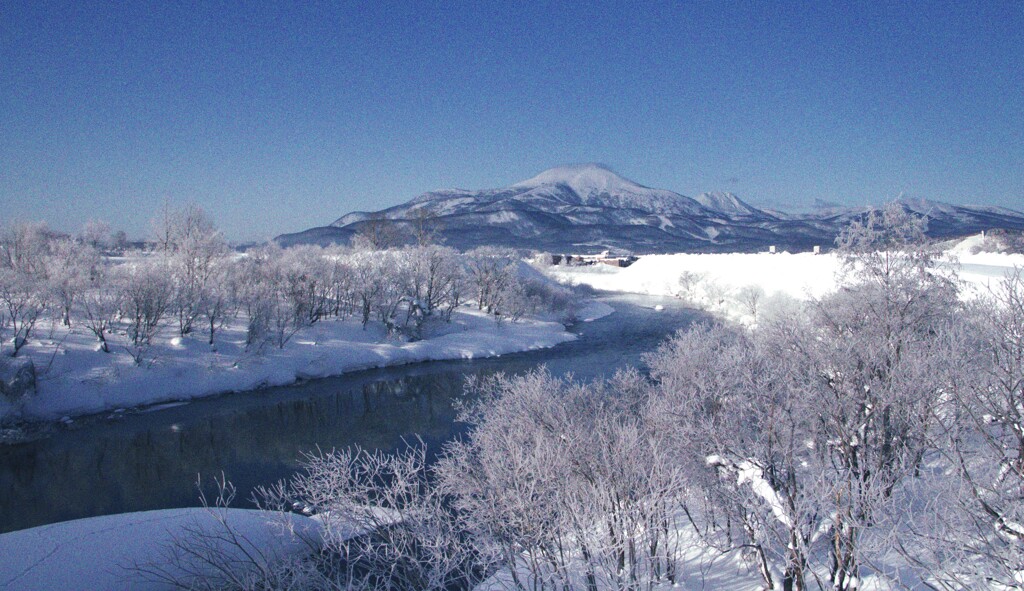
(700, 567)
(584, 179)
(76, 379)
(793, 274)
(747, 472)
(503, 217)
(720, 277)
(724, 202)
(969, 245)
(101, 552)
(595, 184)
(981, 271)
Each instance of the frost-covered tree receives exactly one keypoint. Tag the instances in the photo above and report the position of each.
(873, 359)
(803, 436)
(101, 303)
(871, 387)
(147, 293)
(888, 249)
(98, 234)
(408, 538)
(750, 298)
(688, 283)
(394, 280)
(716, 294)
(24, 248)
(287, 315)
(492, 272)
(338, 283)
(24, 254)
(558, 480)
(69, 269)
(426, 226)
(305, 274)
(272, 291)
(540, 296)
(743, 441)
(376, 232)
(435, 278)
(24, 302)
(192, 244)
(217, 302)
(368, 282)
(971, 534)
(812, 423)
(254, 293)
(162, 227)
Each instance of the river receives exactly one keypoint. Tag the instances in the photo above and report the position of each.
(151, 459)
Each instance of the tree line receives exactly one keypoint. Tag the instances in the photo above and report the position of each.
(188, 282)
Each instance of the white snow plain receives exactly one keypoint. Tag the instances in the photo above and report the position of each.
(719, 280)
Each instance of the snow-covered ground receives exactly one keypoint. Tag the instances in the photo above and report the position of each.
(796, 275)
(76, 379)
(719, 282)
(116, 552)
(113, 551)
(699, 568)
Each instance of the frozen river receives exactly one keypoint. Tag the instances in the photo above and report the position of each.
(152, 460)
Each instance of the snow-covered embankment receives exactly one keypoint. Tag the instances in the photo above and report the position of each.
(76, 379)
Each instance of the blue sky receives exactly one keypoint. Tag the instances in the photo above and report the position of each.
(276, 118)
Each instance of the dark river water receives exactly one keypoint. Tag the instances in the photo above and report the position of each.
(152, 460)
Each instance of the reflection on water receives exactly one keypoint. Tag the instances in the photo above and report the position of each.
(152, 460)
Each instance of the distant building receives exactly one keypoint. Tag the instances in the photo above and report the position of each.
(618, 261)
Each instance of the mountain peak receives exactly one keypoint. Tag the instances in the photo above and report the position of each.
(723, 201)
(585, 179)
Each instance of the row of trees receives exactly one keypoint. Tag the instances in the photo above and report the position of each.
(877, 432)
(191, 283)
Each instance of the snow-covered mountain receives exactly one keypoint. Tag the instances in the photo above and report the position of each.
(589, 208)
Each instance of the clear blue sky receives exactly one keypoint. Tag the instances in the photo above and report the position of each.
(276, 118)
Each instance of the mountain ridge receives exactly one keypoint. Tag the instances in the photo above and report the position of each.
(589, 208)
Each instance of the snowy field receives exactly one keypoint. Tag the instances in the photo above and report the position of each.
(76, 379)
(725, 283)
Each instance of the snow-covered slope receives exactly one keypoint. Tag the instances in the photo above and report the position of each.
(726, 203)
(597, 186)
(556, 190)
(590, 208)
(116, 552)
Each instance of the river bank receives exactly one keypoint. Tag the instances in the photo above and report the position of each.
(75, 379)
(148, 459)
